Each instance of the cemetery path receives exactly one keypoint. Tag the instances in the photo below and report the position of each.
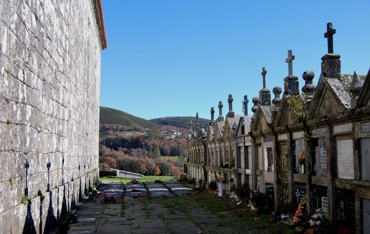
(197, 213)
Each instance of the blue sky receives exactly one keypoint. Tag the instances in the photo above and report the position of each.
(176, 58)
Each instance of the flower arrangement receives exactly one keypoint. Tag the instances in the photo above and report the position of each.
(299, 216)
(316, 219)
(301, 158)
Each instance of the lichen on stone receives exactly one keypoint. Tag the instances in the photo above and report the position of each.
(297, 104)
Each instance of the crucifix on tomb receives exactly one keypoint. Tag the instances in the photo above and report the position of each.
(263, 73)
(289, 60)
(265, 96)
(330, 31)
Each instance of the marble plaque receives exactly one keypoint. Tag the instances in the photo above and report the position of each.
(283, 137)
(297, 135)
(366, 215)
(325, 205)
(260, 166)
(323, 157)
(318, 132)
(345, 159)
(268, 139)
(343, 128)
(365, 158)
(365, 127)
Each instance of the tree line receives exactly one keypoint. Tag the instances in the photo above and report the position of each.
(141, 153)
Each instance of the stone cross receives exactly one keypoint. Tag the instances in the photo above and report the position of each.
(212, 113)
(330, 31)
(220, 108)
(245, 105)
(197, 122)
(289, 60)
(230, 101)
(263, 73)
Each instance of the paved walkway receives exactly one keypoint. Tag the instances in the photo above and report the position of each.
(142, 215)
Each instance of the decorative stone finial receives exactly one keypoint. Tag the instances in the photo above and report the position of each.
(277, 91)
(356, 85)
(245, 105)
(255, 104)
(308, 88)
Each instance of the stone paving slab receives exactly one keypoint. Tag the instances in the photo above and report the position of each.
(148, 215)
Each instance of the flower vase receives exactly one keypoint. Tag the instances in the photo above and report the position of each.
(220, 189)
(302, 168)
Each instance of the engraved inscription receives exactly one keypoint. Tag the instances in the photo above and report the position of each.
(365, 127)
(318, 132)
(283, 137)
(345, 159)
(268, 139)
(323, 157)
(342, 128)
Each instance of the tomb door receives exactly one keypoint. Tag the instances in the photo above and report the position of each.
(318, 199)
(247, 159)
(299, 192)
(269, 160)
(345, 209)
(365, 158)
(298, 148)
(284, 163)
(285, 192)
(366, 215)
(239, 157)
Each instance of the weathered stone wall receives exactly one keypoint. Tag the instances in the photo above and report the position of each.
(50, 54)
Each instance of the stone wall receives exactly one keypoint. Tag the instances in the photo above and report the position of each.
(49, 85)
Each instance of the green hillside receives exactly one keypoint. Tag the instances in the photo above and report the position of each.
(180, 122)
(113, 116)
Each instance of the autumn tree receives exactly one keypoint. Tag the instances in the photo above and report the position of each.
(109, 161)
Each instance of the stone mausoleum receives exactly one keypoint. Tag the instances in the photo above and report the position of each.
(312, 144)
(50, 53)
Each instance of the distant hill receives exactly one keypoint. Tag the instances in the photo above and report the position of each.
(181, 122)
(113, 116)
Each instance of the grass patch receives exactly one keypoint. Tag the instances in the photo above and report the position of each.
(169, 158)
(123, 207)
